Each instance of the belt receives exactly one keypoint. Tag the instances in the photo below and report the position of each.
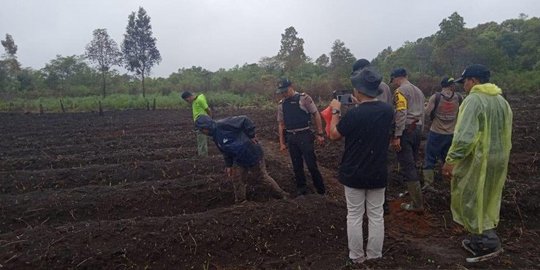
(298, 130)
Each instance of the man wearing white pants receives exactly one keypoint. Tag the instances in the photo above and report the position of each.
(363, 168)
(358, 201)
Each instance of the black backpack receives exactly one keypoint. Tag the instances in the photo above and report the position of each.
(438, 100)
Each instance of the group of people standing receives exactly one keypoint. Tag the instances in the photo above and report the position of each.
(471, 136)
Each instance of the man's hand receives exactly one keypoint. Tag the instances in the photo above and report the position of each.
(320, 139)
(447, 171)
(395, 143)
(335, 104)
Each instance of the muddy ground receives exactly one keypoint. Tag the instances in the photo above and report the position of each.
(126, 190)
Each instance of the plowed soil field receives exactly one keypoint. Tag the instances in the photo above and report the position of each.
(127, 190)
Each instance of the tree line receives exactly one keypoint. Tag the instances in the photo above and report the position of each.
(510, 49)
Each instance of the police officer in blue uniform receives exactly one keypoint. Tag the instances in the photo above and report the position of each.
(295, 112)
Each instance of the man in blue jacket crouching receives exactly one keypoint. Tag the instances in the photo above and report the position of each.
(235, 138)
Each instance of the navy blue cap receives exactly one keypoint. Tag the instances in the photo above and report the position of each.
(474, 71)
(283, 85)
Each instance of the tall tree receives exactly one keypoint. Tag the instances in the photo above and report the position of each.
(9, 46)
(9, 65)
(139, 46)
(292, 50)
(322, 61)
(341, 61)
(104, 53)
(449, 28)
(450, 44)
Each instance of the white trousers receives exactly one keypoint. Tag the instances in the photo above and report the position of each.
(358, 201)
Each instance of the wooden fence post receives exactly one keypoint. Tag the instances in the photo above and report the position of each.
(100, 108)
(62, 106)
(154, 105)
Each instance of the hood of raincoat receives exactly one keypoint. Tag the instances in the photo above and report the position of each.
(487, 88)
(204, 121)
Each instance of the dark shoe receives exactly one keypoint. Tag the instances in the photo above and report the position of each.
(321, 192)
(479, 255)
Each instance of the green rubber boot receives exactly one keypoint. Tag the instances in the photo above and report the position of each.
(417, 200)
(429, 177)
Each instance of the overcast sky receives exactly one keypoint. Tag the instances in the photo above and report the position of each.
(217, 34)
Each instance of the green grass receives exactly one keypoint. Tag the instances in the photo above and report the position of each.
(126, 101)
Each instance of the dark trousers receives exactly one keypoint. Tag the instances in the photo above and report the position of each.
(436, 148)
(410, 144)
(301, 148)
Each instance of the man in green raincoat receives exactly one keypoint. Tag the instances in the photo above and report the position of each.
(477, 162)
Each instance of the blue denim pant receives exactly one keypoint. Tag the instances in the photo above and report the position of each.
(436, 148)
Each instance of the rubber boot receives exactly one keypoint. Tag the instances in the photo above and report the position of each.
(429, 177)
(417, 200)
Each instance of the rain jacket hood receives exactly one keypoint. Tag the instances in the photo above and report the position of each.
(234, 137)
(487, 88)
(204, 121)
(480, 152)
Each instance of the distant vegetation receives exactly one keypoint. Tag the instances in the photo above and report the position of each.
(511, 49)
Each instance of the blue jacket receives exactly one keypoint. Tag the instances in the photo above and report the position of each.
(233, 137)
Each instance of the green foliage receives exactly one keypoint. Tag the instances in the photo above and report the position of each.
(126, 101)
(66, 74)
(512, 47)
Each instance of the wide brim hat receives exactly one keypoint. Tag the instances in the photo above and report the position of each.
(367, 81)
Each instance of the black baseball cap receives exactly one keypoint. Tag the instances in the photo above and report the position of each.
(474, 71)
(282, 85)
(398, 72)
(446, 82)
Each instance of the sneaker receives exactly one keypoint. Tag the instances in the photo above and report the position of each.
(352, 262)
(466, 244)
(482, 254)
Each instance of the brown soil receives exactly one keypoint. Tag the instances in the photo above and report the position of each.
(126, 190)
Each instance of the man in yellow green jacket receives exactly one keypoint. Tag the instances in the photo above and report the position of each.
(477, 162)
(199, 105)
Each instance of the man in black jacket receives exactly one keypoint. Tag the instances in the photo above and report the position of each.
(235, 138)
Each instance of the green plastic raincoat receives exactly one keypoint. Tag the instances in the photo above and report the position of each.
(480, 152)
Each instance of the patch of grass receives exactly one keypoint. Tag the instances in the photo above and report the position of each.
(126, 101)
